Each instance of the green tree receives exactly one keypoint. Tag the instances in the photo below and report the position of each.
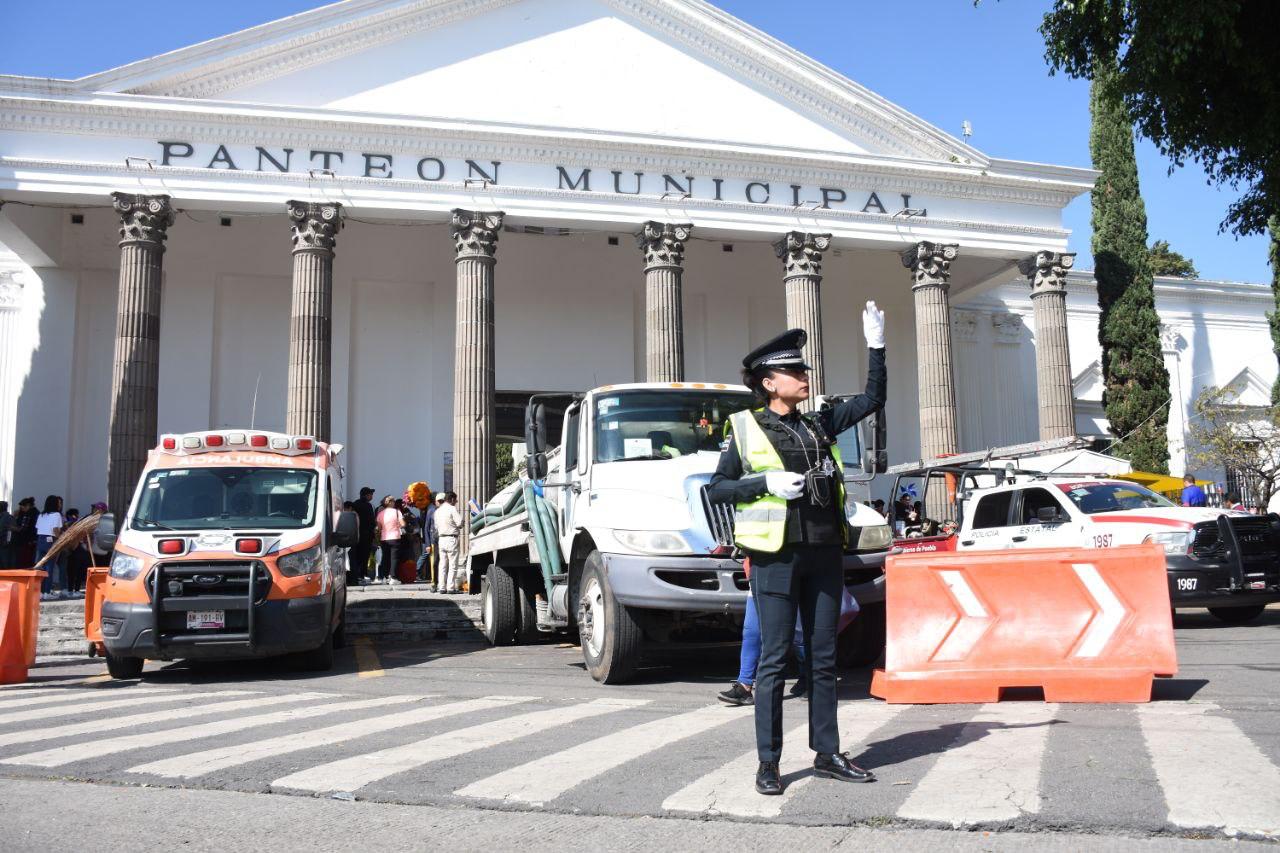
(1273, 317)
(1136, 393)
(1197, 78)
(1165, 261)
(504, 465)
(1226, 435)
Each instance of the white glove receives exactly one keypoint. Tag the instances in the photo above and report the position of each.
(873, 326)
(784, 484)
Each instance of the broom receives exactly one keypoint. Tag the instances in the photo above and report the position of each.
(71, 537)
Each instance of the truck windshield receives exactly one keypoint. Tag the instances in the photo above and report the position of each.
(1113, 497)
(662, 424)
(231, 498)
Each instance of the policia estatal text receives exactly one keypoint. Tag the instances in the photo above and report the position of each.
(782, 471)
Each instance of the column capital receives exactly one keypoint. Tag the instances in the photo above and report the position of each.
(315, 225)
(143, 218)
(930, 263)
(801, 253)
(663, 243)
(1047, 271)
(475, 233)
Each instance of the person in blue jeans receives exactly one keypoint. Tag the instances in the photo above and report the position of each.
(49, 526)
(739, 693)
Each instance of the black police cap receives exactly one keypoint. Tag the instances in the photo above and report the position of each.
(784, 351)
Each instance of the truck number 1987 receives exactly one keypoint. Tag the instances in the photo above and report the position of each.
(1102, 540)
(1187, 584)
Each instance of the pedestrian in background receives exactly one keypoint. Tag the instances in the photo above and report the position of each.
(24, 538)
(8, 526)
(77, 559)
(358, 559)
(49, 525)
(390, 529)
(425, 568)
(99, 556)
(1192, 494)
(449, 529)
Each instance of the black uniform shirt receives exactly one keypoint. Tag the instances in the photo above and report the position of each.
(806, 524)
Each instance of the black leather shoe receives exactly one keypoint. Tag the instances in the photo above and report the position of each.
(768, 782)
(800, 690)
(836, 765)
(737, 694)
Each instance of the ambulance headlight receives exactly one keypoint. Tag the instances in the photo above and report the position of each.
(125, 567)
(653, 541)
(875, 537)
(1174, 541)
(300, 562)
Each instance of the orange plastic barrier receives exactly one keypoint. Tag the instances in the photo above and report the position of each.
(1085, 625)
(95, 592)
(28, 581)
(13, 657)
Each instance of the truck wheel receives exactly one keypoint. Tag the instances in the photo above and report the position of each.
(319, 659)
(1238, 615)
(862, 643)
(124, 667)
(528, 585)
(611, 636)
(499, 611)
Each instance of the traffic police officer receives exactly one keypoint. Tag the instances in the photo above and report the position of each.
(782, 471)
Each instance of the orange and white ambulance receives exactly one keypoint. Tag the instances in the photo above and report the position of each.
(232, 547)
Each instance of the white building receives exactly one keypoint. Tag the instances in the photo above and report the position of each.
(578, 121)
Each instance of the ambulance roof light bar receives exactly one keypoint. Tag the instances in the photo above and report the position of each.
(219, 440)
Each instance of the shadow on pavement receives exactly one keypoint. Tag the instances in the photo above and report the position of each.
(908, 745)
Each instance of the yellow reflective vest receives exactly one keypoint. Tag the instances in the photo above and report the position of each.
(761, 524)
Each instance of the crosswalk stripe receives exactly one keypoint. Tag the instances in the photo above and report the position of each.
(1211, 773)
(64, 696)
(59, 756)
(124, 700)
(348, 774)
(107, 724)
(544, 779)
(207, 761)
(730, 788)
(991, 772)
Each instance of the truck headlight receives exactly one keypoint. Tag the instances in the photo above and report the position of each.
(653, 541)
(125, 567)
(875, 537)
(300, 562)
(1174, 541)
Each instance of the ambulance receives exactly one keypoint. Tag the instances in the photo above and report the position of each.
(234, 546)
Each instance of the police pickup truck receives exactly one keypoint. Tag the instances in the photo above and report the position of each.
(1224, 560)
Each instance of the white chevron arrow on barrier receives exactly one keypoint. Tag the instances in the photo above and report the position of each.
(969, 626)
(1108, 616)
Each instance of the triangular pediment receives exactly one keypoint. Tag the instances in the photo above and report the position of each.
(1087, 385)
(1248, 390)
(675, 69)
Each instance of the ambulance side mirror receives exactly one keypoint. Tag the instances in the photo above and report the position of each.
(104, 535)
(346, 532)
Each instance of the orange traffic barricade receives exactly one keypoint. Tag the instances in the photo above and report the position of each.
(95, 592)
(28, 581)
(13, 655)
(1084, 625)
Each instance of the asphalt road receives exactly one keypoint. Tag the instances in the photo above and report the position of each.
(511, 737)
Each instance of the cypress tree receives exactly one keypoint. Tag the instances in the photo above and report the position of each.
(1136, 394)
(1273, 317)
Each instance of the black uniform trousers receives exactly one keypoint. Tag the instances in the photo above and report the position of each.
(807, 580)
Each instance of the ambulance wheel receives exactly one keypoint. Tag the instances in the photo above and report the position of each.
(1238, 615)
(862, 643)
(611, 637)
(124, 667)
(319, 659)
(499, 608)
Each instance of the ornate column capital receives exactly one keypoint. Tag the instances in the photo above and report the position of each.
(663, 243)
(143, 218)
(10, 290)
(930, 263)
(1047, 271)
(475, 233)
(315, 225)
(801, 253)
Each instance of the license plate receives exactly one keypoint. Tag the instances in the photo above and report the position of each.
(197, 619)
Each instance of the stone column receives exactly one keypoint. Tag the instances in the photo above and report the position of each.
(315, 231)
(135, 371)
(663, 247)
(801, 256)
(475, 238)
(930, 265)
(1048, 274)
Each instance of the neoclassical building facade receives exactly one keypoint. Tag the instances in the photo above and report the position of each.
(385, 222)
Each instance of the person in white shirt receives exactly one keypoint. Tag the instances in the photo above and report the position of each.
(48, 527)
(449, 527)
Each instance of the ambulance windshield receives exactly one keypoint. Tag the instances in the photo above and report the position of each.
(226, 498)
(662, 424)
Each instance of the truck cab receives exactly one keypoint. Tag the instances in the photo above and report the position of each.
(622, 545)
(233, 546)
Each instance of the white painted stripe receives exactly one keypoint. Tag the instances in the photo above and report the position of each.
(991, 772)
(542, 780)
(199, 763)
(1109, 616)
(1211, 773)
(123, 700)
(107, 724)
(65, 696)
(730, 788)
(95, 749)
(963, 593)
(348, 774)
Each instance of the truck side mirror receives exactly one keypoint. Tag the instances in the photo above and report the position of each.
(875, 454)
(535, 440)
(104, 535)
(346, 532)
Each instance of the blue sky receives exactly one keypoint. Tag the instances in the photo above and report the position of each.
(944, 60)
